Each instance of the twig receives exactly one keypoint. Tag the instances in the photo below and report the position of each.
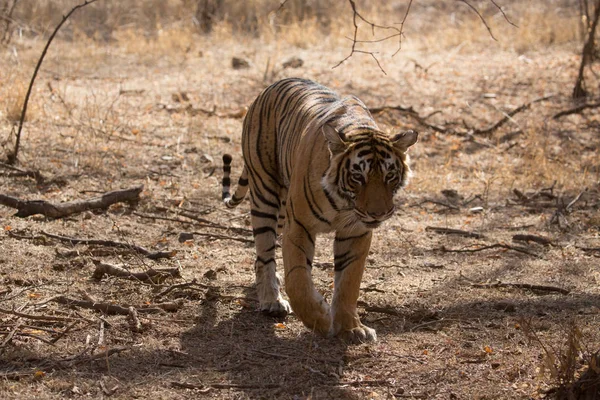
(99, 356)
(504, 14)
(31, 207)
(366, 382)
(39, 317)
(150, 276)
(110, 243)
(356, 16)
(223, 237)
(12, 157)
(493, 246)
(541, 288)
(451, 231)
(439, 203)
(11, 334)
(106, 308)
(532, 238)
(480, 17)
(184, 286)
(411, 113)
(508, 116)
(590, 249)
(18, 172)
(223, 386)
(575, 110)
(575, 200)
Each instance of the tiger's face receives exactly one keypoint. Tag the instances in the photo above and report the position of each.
(369, 169)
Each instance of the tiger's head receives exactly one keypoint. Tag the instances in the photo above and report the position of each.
(367, 167)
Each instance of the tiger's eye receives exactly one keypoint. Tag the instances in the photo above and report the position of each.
(358, 177)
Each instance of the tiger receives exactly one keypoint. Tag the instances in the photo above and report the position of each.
(315, 162)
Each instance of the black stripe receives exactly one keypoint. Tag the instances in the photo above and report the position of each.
(261, 214)
(296, 267)
(243, 182)
(264, 229)
(316, 213)
(263, 200)
(343, 239)
(264, 262)
(340, 265)
(312, 241)
(330, 199)
(271, 248)
(226, 181)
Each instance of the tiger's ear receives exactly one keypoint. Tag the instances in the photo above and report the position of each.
(405, 139)
(335, 139)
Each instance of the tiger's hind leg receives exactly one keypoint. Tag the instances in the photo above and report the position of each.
(264, 215)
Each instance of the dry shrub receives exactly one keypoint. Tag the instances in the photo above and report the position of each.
(431, 24)
(538, 24)
(570, 369)
(13, 96)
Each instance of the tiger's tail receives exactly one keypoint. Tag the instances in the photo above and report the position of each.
(242, 187)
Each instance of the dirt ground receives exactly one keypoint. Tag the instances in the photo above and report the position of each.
(458, 317)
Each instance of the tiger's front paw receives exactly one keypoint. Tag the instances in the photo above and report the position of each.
(278, 309)
(357, 335)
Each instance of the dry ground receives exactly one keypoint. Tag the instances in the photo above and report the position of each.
(106, 117)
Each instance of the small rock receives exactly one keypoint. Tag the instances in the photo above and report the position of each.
(239, 63)
(180, 97)
(210, 274)
(476, 210)
(206, 158)
(185, 236)
(294, 62)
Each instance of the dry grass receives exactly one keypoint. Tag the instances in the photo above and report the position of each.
(110, 113)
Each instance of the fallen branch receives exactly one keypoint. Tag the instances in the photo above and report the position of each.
(451, 231)
(439, 203)
(110, 243)
(508, 116)
(411, 113)
(540, 288)
(203, 222)
(189, 109)
(19, 172)
(31, 207)
(590, 249)
(40, 317)
(492, 246)
(99, 356)
(106, 308)
(575, 110)
(209, 386)
(185, 285)
(154, 276)
(223, 237)
(532, 238)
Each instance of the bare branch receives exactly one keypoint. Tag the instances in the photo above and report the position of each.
(12, 158)
(358, 17)
(504, 14)
(480, 17)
